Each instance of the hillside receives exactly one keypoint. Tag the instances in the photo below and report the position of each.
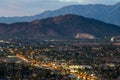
(61, 26)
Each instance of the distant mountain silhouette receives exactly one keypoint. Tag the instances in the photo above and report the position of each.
(106, 13)
(61, 26)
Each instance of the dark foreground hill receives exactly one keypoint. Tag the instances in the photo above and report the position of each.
(61, 26)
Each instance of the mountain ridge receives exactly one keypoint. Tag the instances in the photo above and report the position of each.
(105, 13)
(60, 26)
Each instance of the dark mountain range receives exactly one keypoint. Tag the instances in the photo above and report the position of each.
(105, 13)
(61, 26)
